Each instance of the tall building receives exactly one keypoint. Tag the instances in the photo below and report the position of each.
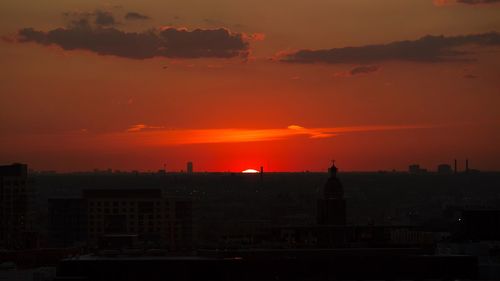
(331, 205)
(16, 208)
(189, 167)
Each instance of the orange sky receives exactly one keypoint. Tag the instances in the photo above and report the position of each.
(427, 101)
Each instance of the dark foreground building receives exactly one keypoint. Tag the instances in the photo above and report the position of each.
(104, 218)
(300, 265)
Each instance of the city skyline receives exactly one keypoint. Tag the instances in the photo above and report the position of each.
(284, 85)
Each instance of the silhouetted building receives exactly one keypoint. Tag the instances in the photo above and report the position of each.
(331, 205)
(274, 264)
(156, 221)
(164, 222)
(189, 167)
(444, 169)
(415, 169)
(16, 208)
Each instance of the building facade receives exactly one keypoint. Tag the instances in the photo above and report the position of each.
(157, 221)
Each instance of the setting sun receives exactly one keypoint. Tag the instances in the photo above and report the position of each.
(250, 171)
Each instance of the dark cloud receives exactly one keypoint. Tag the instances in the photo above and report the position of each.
(103, 18)
(470, 76)
(425, 49)
(166, 42)
(136, 16)
(476, 2)
(364, 69)
(203, 43)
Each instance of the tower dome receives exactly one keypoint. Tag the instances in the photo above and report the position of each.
(331, 205)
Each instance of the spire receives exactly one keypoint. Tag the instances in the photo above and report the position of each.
(333, 169)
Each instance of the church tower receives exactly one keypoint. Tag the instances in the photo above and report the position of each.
(331, 204)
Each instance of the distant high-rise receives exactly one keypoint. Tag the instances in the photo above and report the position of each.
(331, 205)
(415, 169)
(189, 167)
(16, 211)
(444, 169)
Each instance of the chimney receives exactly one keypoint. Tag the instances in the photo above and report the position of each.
(261, 174)
(466, 165)
(455, 169)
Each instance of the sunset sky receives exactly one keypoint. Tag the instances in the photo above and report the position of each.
(234, 85)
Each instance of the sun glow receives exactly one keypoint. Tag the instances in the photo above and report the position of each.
(250, 171)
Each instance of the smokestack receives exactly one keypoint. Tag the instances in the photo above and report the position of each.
(467, 165)
(455, 169)
(261, 174)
